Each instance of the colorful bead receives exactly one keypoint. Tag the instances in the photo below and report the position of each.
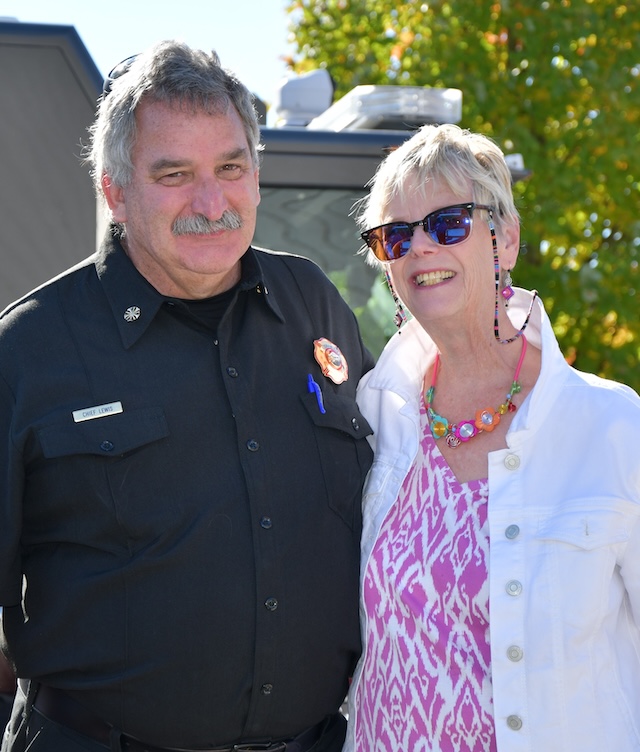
(487, 419)
(439, 426)
(507, 293)
(466, 430)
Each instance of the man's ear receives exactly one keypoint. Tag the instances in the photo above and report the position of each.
(114, 195)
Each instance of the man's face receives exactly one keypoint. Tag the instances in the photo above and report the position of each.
(187, 166)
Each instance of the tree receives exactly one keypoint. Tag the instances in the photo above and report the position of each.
(555, 81)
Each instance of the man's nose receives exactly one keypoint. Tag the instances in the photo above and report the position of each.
(209, 199)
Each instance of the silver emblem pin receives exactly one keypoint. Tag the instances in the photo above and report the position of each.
(132, 313)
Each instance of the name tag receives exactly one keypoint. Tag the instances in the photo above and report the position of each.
(99, 411)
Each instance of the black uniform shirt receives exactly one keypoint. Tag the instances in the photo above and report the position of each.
(180, 522)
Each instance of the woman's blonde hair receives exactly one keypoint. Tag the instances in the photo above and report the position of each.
(447, 154)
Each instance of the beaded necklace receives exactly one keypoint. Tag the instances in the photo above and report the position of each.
(486, 419)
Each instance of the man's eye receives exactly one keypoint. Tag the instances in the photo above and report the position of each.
(232, 170)
(172, 177)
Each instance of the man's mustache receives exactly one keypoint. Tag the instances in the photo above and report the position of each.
(197, 224)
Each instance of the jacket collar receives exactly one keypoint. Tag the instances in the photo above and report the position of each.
(410, 352)
(134, 302)
(554, 369)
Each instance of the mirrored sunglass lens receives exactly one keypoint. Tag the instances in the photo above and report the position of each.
(450, 226)
(396, 240)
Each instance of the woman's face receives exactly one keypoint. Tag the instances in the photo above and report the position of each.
(444, 285)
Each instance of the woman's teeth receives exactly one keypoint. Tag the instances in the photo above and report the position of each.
(432, 278)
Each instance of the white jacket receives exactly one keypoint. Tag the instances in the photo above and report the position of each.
(564, 522)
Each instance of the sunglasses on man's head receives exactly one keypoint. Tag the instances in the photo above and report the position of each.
(117, 71)
(446, 226)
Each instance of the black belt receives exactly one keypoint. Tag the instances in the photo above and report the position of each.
(59, 707)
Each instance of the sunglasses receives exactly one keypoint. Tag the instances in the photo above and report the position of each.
(120, 69)
(446, 226)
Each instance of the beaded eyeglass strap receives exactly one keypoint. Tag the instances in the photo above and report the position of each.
(496, 266)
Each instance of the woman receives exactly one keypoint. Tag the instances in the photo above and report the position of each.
(501, 549)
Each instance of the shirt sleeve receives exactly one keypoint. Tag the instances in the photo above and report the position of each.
(11, 488)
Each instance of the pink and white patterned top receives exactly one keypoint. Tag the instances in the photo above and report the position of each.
(426, 678)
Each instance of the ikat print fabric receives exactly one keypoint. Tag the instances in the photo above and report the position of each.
(426, 681)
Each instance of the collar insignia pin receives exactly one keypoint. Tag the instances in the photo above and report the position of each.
(331, 360)
(132, 313)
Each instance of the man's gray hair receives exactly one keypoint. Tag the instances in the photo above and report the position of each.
(175, 74)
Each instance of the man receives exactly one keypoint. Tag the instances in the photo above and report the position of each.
(179, 532)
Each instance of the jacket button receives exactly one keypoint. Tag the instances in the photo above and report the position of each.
(271, 604)
(513, 587)
(232, 372)
(514, 722)
(106, 446)
(512, 462)
(266, 689)
(515, 653)
(266, 523)
(252, 445)
(355, 424)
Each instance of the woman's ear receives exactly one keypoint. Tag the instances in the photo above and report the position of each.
(510, 245)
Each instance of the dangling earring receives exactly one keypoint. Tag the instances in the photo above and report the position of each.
(401, 315)
(507, 290)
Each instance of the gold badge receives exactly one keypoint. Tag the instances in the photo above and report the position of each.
(331, 360)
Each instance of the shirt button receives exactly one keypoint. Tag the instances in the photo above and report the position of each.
(271, 604)
(515, 653)
(266, 689)
(266, 523)
(512, 462)
(106, 446)
(514, 722)
(513, 531)
(252, 445)
(513, 587)
(232, 372)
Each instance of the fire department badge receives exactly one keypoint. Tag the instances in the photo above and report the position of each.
(331, 360)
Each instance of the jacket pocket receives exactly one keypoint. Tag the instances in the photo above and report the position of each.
(577, 569)
(591, 523)
(102, 478)
(114, 435)
(344, 452)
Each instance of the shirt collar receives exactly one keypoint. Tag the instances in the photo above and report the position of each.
(255, 278)
(135, 302)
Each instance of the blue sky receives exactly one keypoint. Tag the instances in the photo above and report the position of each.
(249, 35)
